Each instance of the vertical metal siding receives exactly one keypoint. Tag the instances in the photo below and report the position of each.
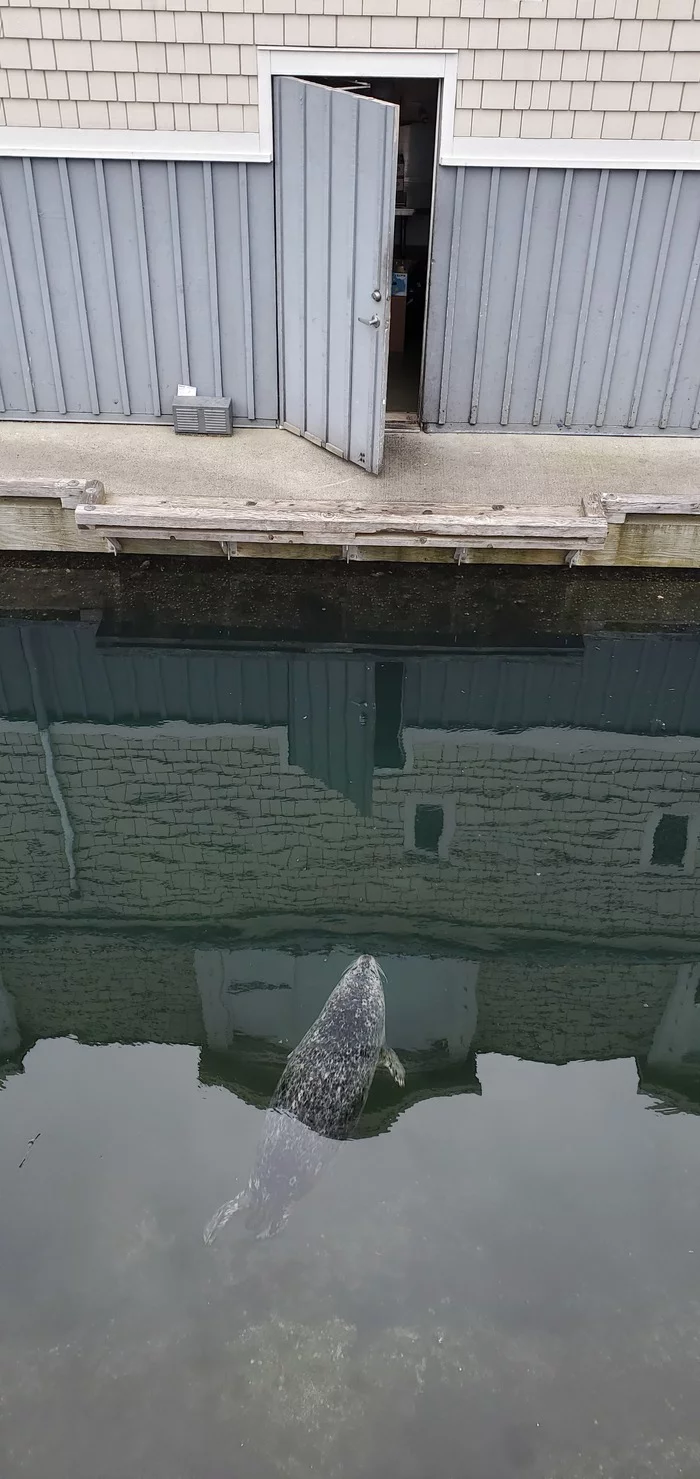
(627, 684)
(118, 280)
(564, 300)
(619, 684)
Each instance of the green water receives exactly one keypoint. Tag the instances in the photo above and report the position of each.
(499, 1275)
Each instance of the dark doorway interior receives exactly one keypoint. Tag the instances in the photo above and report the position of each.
(417, 100)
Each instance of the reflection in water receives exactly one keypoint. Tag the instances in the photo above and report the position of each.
(499, 1275)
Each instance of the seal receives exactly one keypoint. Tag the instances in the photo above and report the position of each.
(318, 1101)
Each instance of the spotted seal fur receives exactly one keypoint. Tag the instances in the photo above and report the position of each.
(318, 1100)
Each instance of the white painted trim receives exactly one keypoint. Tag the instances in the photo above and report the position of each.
(456, 151)
(313, 61)
(572, 154)
(552, 742)
(123, 143)
(276, 734)
(265, 100)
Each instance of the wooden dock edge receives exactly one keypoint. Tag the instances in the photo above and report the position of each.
(70, 492)
(67, 515)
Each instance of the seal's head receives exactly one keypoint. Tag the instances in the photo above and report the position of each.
(365, 971)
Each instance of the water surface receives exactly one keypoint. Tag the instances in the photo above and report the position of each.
(499, 1276)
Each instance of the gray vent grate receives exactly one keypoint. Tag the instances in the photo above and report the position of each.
(203, 415)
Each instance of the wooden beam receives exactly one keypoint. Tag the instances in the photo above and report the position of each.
(69, 491)
(237, 539)
(330, 524)
(617, 506)
(41, 524)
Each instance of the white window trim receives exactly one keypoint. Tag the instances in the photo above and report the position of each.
(448, 803)
(678, 809)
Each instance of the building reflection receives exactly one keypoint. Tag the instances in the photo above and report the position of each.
(194, 842)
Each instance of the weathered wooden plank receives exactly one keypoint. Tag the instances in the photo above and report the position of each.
(311, 537)
(341, 526)
(668, 542)
(385, 554)
(43, 525)
(618, 506)
(514, 557)
(70, 491)
(592, 507)
(207, 548)
(304, 542)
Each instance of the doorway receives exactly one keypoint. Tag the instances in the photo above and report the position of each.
(417, 100)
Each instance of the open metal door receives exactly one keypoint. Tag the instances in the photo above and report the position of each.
(335, 183)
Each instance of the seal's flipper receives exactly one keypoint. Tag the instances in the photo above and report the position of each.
(389, 1060)
(224, 1215)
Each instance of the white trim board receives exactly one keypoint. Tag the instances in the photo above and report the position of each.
(555, 743)
(454, 150)
(124, 143)
(311, 61)
(276, 734)
(573, 154)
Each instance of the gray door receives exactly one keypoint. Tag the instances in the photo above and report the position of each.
(335, 179)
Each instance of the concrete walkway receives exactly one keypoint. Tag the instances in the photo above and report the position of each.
(500, 490)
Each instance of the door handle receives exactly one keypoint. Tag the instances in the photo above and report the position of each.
(372, 323)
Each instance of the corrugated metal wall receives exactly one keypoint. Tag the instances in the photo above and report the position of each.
(81, 680)
(629, 684)
(643, 685)
(118, 280)
(560, 299)
(565, 300)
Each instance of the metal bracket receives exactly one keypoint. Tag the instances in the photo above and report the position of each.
(573, 557)
(350, 552)
(114, 546)
(229, 548)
